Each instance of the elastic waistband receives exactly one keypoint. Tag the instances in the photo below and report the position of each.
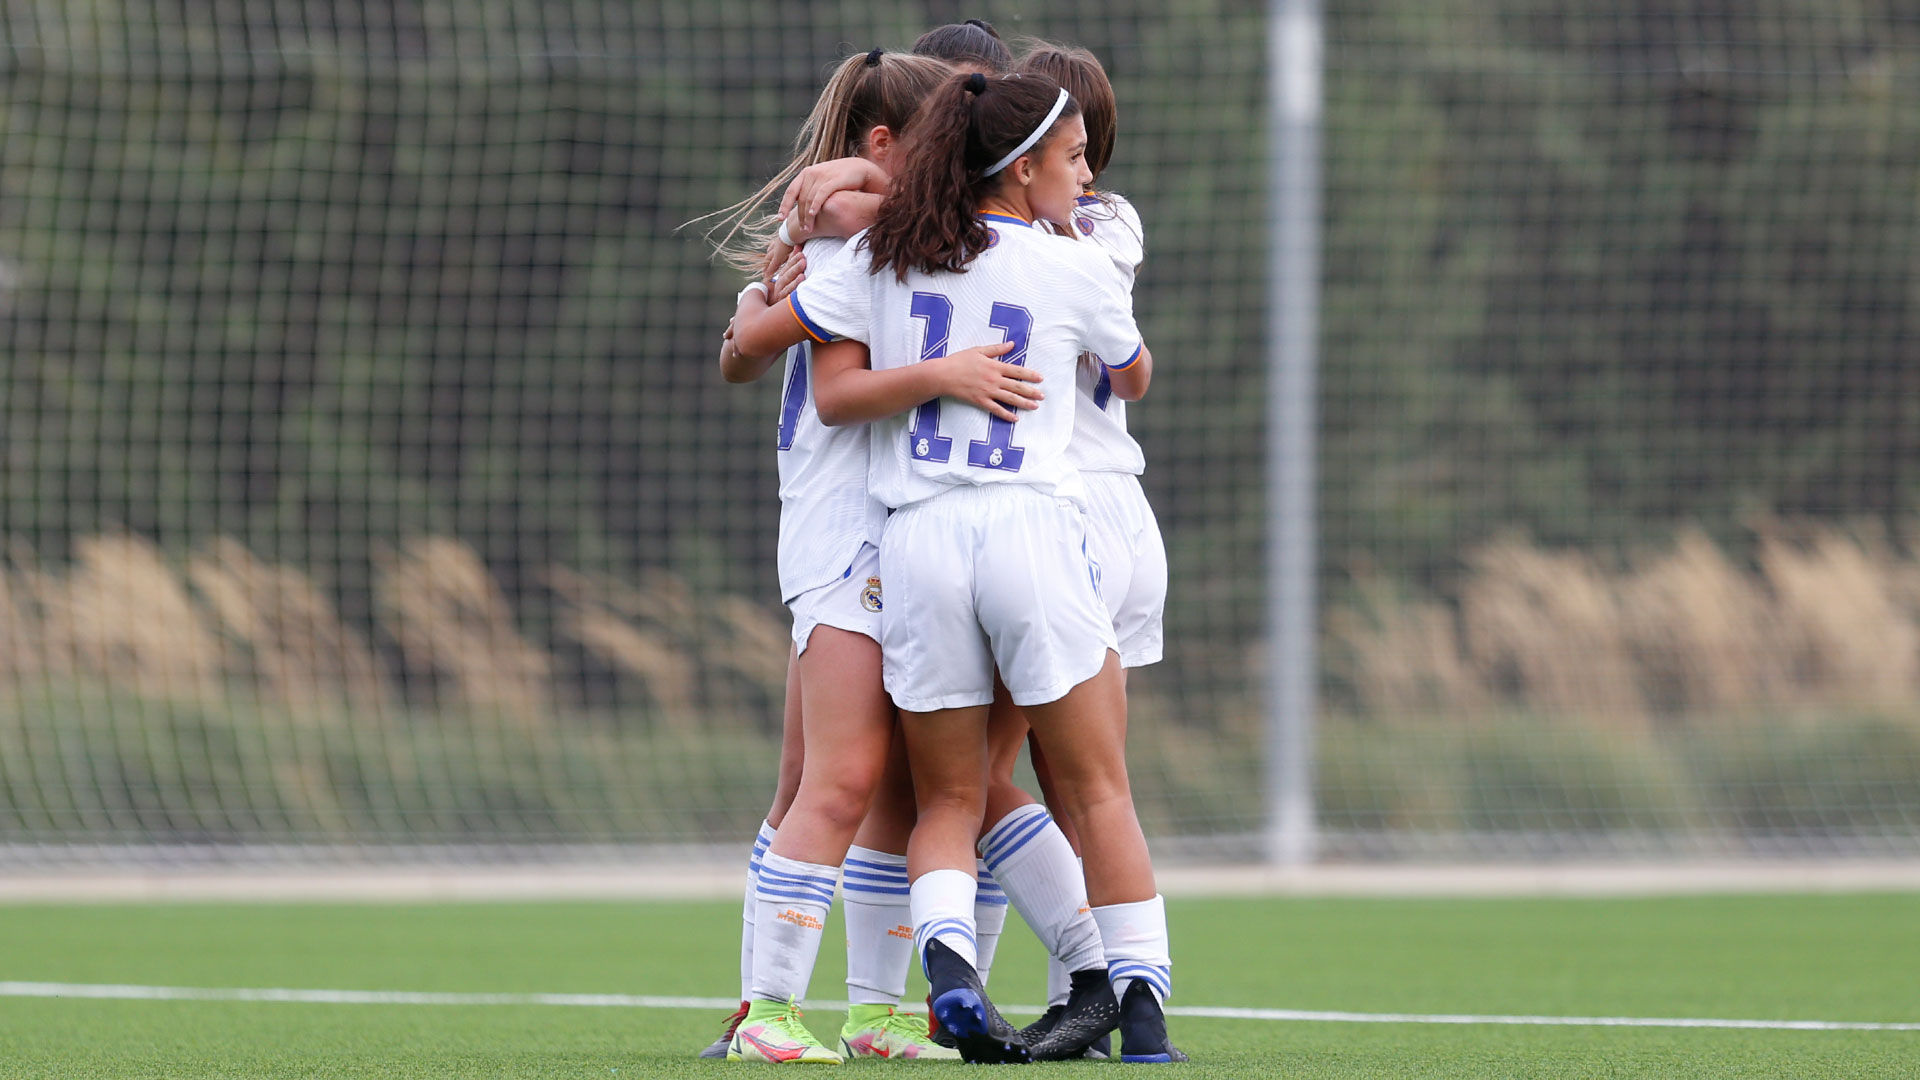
(977, 494)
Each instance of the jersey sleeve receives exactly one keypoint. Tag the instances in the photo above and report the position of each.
(1111, 222)
(1104, 309)
(836, 299)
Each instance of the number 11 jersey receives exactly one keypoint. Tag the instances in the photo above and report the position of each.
(1053, 298)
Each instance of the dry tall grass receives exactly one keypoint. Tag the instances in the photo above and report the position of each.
(1825, 619)
(1819, 619)
(124, 617)
(296, 646)
(450, 618)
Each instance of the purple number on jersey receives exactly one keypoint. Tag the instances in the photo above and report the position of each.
(795, 397)
(924, 441)
(997, 450)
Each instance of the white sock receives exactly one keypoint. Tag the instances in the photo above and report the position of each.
(789, 920)
(1136, 938)
(1059, 982)
(1031, 859)
(943, 909)
(873, 892)
(989, 918)
(761, 842)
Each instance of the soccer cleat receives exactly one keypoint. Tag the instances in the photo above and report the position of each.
(1091, 1012)
(940, 1036)
(961, 1005)
(719, 1047)
(881, 1031)
(1143, 1029)
(772, 1032)
(1037, 1030)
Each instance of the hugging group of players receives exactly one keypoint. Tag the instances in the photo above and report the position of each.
(967, 552)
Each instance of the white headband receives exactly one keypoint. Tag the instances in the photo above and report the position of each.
(1059, 103)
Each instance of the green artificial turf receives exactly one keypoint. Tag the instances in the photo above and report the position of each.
(1794, 957)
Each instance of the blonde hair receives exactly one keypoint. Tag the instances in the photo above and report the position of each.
(868, 90)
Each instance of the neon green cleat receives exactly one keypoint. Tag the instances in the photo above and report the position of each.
(880, 1031)
(772, 1032)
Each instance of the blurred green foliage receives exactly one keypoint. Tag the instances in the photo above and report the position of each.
(322, 277)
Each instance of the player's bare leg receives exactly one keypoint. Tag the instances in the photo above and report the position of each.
(786, 783)
(879, 918)
(1028, 855)
(1083, 736)
(845, 742)
(947, 750)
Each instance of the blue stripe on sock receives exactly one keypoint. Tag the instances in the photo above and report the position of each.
(769, 881)
(774, 881)
(850, 874)
(1012, 823)
(1015, 839)
(790, 898)
(879, 868)
(941, 926)
(1159, 978)
(869, 891)
(991, 901)
(815, 880)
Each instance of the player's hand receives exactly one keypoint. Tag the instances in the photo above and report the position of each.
(782, 282)
(810, 190)
(776, 257)
(978, 378)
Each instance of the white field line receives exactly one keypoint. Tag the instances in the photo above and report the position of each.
(713, 879)
(633, 1001)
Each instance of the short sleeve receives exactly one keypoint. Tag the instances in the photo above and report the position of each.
(836, 299)
(1104, 310)
(1111, 222)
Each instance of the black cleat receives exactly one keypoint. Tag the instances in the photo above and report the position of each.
(1037, 1030)
(719, 1047)
(960, 1003)
(940, 1036)
(1091, 1012)
(1143, 1029)
(1102, 1049)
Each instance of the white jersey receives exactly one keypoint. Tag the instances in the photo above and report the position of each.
(1054, 298)
(825, 512)
(1101, 442)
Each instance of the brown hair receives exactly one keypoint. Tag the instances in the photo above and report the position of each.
(930, 222)
(867, 90)
(1080, 72)
(972, 42)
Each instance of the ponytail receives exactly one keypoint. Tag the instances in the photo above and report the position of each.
(930, 221)
(867, 90)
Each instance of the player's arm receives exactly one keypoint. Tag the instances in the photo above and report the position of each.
(762, 331)
(738, 363)
(833, 198)
(847, 391)
(1129, 380)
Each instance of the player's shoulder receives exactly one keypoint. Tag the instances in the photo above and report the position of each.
(1110, 219)
(821, 248)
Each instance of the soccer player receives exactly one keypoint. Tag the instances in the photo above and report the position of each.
(1023, 845)
(973, 45)
(1122, 533)
(985, 552)
(829, 577)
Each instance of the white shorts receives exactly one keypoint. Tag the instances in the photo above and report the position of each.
(988, 576)
(1124, 540)
(850, 603)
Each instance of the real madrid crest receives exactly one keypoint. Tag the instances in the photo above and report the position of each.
(870, 596)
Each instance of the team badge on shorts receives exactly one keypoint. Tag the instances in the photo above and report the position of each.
(870, 596)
